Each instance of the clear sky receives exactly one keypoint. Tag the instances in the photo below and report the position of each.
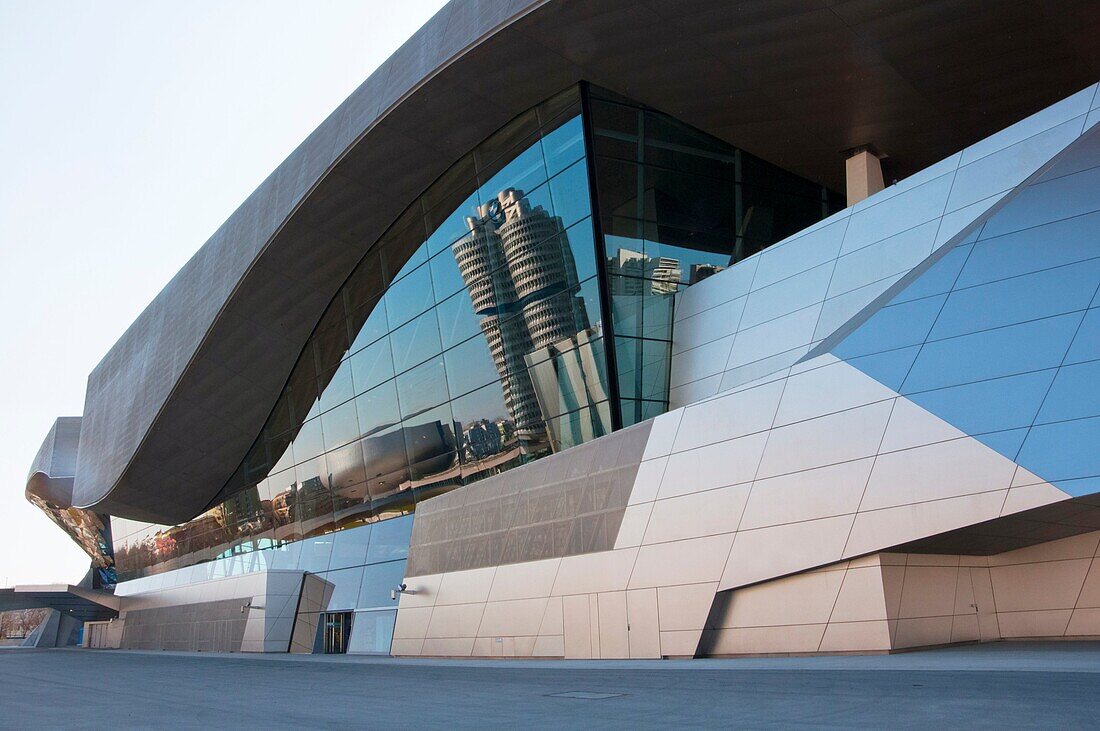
(129, 131)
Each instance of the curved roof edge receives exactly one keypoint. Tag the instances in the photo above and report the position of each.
(52, 471)
(173, 407)
(139, 385)
(50, 489)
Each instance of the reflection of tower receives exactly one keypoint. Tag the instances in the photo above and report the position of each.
(518, 269)
(640, 274)
(480, 258)
(541, 266)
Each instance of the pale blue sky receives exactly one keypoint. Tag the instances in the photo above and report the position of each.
(129, 131)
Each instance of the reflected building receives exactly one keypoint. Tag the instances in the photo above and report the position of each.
(244, 510)
(699, 272)
(635, 273)
(519, 270)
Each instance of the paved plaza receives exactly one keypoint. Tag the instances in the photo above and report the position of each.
(1007, 685)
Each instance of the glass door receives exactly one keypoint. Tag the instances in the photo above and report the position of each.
(337, 629)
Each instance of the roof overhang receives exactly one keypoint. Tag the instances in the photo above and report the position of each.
(175, 404)
(83, 604)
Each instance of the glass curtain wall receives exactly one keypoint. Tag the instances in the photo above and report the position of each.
(677, 206)
(471, 337)
(467, 341)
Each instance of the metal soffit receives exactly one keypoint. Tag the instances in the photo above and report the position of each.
(177, 401)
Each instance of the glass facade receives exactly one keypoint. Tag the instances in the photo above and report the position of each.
(467, 341)
(363, 564)
(471, 339)
(676, 206)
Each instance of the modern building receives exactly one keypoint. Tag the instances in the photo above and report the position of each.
(630, 329)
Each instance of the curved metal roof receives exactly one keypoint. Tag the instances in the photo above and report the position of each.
(51, 474)
(172, 408)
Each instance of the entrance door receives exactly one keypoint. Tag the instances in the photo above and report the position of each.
(986, 607)
(337, 629)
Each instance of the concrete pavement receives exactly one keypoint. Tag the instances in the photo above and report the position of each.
(1011, 685)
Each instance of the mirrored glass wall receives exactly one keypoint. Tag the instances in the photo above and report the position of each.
(675, 207)
(473, 338)
(466, 342)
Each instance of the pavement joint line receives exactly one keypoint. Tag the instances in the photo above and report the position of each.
(1008, 656)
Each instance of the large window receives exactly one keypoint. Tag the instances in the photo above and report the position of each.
(677, 206)
(466, 342)
(471, 337)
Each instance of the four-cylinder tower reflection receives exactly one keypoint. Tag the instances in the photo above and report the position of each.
(520, 273)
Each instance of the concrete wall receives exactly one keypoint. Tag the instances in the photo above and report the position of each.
(103, 635)
(821, 465)
(558, 516)
(208, 615)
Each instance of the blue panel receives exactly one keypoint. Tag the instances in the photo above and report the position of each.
(349, 547)
(889, 368)
(1028, 297)
(373, 327)
(409, 297)
(1074, 395)
(373, 633)
(993, 364)
(446, 278)
(939, 278)
(286, 556)
(1006, 443)
(879, 220)
(469, 366)
(1064, 242)
(309, 442)
(1052, 200)
(1086, 344)
(457, 320)
(422, 388)
(1064, 451)
(415, 342)
(523, 172)
(1080, 487)
(345, 592)
(989, 406)
(892, 327)
(390, 539)
(372, 365)
(378, 580)
(454, 225)
(570, 193)
(1031, 346)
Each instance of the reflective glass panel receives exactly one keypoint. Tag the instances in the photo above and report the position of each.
(678, 206)
(470, 338)
(378, 581)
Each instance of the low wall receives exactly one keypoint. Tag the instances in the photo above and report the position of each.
(896, 601)
(250, 613)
